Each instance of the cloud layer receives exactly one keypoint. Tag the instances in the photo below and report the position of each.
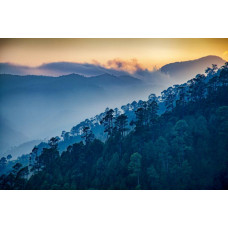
(116, 67)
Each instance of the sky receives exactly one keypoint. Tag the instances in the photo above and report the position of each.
(148, 53)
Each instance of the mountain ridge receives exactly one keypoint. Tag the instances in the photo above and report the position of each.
(182, 70)
(69, 98)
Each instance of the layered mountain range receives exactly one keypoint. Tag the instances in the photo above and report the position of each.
(37, 107)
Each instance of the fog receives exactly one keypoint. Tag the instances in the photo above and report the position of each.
(39, 107)
(36, 107)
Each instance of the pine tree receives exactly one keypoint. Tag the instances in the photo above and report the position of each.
(87, 135)
(135, 166)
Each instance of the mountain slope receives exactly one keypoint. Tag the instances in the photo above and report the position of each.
(41, 106)
(183, 71)
(169, 99)
(9, 136)
(186, 147)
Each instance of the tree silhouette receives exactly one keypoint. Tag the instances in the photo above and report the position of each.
(121, 124)
(107, 121)
(135, 166)
(87, 135)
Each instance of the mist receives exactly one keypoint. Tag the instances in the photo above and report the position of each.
(39, 107)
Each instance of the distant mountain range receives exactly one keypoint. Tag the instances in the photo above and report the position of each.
(9, 136)
(179, 70)
(166, 142)
(35, 107)
(169, 99)
(182, 71)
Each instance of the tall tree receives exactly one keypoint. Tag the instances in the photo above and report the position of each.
(107, 121)
(49, 155)
(35, 160)
(121, 124)
(153, 112)
(87, 135)
(135, 166)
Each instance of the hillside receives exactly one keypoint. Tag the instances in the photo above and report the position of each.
(185, 70)
(36, 107)
(183, 147)
(164, 104)
(41, 106)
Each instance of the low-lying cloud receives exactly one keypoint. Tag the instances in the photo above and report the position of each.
(87, 69)
(116, 67)
(130, 66)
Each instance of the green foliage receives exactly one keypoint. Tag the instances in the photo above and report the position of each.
(135, 166)
(184, 148)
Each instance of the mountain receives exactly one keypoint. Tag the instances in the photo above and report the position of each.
(182, 71)
(41, 106)
(37, 107)
(169, 99)
(9, 136)
(124, 80)
(57, 69)
(22, 149)
(184, 147)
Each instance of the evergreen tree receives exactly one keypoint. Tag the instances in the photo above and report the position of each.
(107, 121)
(135, 166)
(87, 135)
(121, 124)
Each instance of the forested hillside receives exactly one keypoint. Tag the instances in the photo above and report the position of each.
(176, 141)
(37, 107)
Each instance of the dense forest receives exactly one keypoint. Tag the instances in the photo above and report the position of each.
(185, 147)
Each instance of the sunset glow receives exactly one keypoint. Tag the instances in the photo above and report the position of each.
(148, 53)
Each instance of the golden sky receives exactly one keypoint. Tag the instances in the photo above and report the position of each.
(148, 52)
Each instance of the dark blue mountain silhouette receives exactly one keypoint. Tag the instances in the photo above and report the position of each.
(182, 71)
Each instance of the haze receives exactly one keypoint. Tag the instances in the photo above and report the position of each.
(99, 73)
(148, 53)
